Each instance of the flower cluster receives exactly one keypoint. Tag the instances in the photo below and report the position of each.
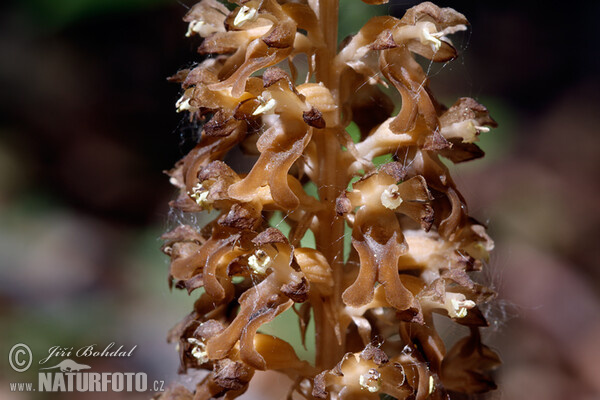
(276, 87)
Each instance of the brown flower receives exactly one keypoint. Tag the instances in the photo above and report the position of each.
(394, 244)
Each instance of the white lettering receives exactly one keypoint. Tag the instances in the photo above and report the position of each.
(141, 382)
(89, 382)
(21, 387)
(70, 377)
(118, 382)
(57, 351)
(45, 381)
(85, 351)
(59, 383)
(131, 351)
(129, 376)
(94, 383)
(105, 380)
(82, 382)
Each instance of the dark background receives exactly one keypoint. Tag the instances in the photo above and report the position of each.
(88, 124)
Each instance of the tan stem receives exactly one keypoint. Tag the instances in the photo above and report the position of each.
(331, 182)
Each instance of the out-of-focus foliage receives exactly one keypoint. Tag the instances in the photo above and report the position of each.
(56, 14)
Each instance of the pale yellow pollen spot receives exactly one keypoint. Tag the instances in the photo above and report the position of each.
(259, 262)
(199, 350)
(429, 34)
(390, 198)
(183, 104)
(201, 28)
(267, 104)
(245, 14)
(428, 37)
(194, 27)
(370, 380)
(460, 307)
(200, 195)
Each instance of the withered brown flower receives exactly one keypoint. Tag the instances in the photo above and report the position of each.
(276, 86)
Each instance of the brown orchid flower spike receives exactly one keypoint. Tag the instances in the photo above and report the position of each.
(395, 249)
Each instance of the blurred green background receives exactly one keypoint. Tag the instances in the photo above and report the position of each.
(87, 124)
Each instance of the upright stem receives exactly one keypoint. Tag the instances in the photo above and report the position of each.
(331, 181)
(328, 19)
